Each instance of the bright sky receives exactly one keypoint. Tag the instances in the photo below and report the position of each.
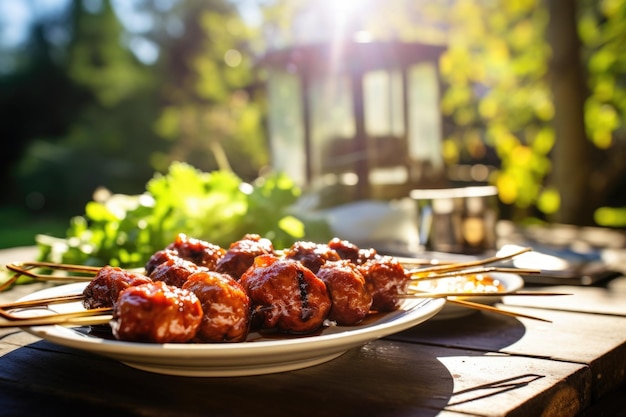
(16, 16)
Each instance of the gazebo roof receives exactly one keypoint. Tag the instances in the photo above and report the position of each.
(350, 56)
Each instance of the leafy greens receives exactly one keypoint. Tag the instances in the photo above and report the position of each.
(125, 230)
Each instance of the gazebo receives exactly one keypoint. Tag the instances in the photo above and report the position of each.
(364, 115)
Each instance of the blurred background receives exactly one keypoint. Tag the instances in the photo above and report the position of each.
(353, 99)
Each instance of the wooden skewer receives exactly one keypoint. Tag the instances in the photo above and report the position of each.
(42, 301)
(483, 307)
(417, 276)
(421, 294)
(469, 264)
(53, 320)
(25, 266)
(26, 269)
(57, 317)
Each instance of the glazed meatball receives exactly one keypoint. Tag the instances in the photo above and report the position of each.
(311, 255)
(104, 289)
(351, 301)
(157, 313)
(226, 306)
(385, 279)
(286, 295)
(158, 258)
(345, 249)
(368, 254)
(175, 271)
(350, 251)
(240, 255)
(197, 251)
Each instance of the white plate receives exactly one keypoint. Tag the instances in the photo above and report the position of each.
(510, 282)
(257, 356)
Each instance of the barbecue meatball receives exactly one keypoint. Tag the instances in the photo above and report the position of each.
(385, 279)
(226, 306)
(311, 255)
(345, 249)
(104, 289)
(350, 251)
(351, 301)
(157, 313)
(286, 295)
(240, 255)
(197, 251)
(158, 258)
(368, 254)
(175, 271)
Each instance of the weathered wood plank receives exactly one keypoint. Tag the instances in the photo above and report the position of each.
(607, 299)
(595, 340)
(380, 378)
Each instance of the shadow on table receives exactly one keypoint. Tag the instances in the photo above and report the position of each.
(380, 378)
(486, 331)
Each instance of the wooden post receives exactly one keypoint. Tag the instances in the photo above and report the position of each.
(361, 165)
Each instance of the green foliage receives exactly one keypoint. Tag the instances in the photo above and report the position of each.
(212, 118)
(611, 217)
(495, 71)
(104, 118)
(497, 77)
(602, 28)
(97, 59)
(125, 230)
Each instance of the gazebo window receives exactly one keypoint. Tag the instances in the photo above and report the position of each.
(364, 115)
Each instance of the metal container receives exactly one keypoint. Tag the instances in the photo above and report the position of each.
(457, 220)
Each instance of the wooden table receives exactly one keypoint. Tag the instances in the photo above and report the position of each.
(483, 364)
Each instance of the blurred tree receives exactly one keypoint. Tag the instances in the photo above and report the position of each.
(602, 31)
(574, 156)
(498, 95)
(97, 57)
(194, 101)
(109, 140)
(520, 70)
(38, 99)
(211, 111)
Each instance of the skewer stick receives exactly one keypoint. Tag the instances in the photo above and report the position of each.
(42, 301)
(25, 268)
(469, 264)
(57, 317)
(484, 307)
(417, 275)
(421, 294)
(53, 320)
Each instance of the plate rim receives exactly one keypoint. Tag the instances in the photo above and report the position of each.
(514, 282)
(155, 356)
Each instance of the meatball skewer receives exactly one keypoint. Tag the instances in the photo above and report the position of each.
(286, 295)
(156, 312)
(226, 307)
